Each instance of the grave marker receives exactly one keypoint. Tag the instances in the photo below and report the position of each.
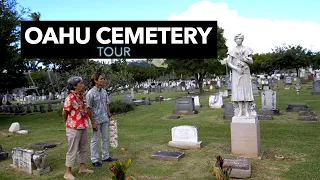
(185, 137)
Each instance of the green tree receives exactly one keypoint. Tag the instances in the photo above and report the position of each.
(289, 57)
(199, 68)
(258, 63)
(315, 61)
(12, 66)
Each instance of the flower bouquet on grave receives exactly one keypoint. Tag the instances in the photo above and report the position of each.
(113, 133)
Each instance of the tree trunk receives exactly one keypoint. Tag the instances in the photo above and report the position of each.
(199, 79)
(297, 70)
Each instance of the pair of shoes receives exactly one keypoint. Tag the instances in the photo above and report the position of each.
(69, 177)
(97, 164)
(86, 171)
(110, 159)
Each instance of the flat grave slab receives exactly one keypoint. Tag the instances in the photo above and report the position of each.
(167, 155)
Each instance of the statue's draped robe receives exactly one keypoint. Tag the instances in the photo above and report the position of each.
(241, 83)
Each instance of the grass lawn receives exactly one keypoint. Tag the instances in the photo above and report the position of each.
(147, 130)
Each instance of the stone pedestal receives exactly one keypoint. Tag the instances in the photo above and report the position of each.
(245, 137)
(185, 145)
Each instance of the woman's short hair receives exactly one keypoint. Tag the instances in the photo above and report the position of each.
(73, 82)
(239, 35)
(94, 77)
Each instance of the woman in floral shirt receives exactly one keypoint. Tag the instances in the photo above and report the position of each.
(76, 118)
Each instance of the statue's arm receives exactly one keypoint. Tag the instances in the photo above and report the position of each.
(230, 64)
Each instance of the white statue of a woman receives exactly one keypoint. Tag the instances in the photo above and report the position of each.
(239, 59)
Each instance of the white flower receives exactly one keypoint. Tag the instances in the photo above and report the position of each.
(67, 102)
(78, 116)
(72, 113)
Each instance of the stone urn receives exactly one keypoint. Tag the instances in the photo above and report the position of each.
(39, 159)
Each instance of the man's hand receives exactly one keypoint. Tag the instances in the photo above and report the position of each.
(110, 117)
(94, 126)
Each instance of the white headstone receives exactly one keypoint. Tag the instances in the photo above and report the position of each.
(225, 93)
(185, 137)
(196, 101)
(14, 127)
(184, 133)
(22, 159)
(216, 101)
(269, 100)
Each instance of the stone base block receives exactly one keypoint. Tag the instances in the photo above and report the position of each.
(185, 145)
(297, 107)
(185, 112)
(216, 106)
(265, 117)
(41, 172)
(273, 112)
(227, 117)
(245, 139)
(307, 118)
(28, 171)
(241, 167)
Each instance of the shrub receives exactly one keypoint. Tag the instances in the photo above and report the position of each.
(118, 107)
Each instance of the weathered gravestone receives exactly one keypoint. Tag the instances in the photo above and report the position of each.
(42, 146)
(50, 107)
(147, 101)
(225, 94)
(126, 99)
(216, 100)
(288, 80)
(13, 108)
(307, 116)
(228, 111)
(229, 86)
(28, 109)
(14, 127)
(42, 109)
(173, 116)
(35, 108)
(269, 103)
(255, 89)
(21, 110)
(196, 100)
(297, 107)
(185, 105)
(297, 87)
(316, 87)
(185, 137)
(30, 161)
(22, 160)
(241, 167)
(3, 154)
(167, 155)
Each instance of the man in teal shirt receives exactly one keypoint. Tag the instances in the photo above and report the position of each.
(99, 112)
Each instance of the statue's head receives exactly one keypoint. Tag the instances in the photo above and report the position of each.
(238, 38)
